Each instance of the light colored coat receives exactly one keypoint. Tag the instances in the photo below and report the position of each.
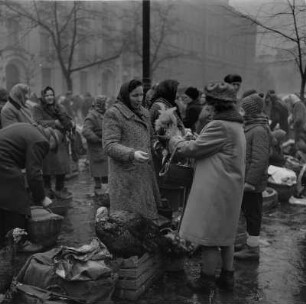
(92, 131)
(213, 207)
(10, 114)
(132, 185)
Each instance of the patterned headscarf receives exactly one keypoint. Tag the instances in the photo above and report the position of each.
(124, 94)
(18, 93)
(100, 103)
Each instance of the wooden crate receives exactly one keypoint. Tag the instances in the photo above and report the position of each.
(136, 275)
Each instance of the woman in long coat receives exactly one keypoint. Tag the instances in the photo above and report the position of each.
(49, 114)
(92, 131)
(163, 99)
(212, 211)
(127, 135)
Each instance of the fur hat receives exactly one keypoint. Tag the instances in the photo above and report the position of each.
(220, 91)
(230, 78)
(192, 92)
(278, 135)
(252, 104)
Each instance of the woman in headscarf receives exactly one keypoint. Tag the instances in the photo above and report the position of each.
(164, 98)
(16, 109)
(49, 114)
(127, 135)
(92, 131)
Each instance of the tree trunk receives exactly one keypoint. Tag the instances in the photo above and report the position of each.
(68, 82)
(303, 83)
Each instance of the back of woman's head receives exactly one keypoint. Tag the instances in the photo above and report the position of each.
(166, 89)
(18, 92)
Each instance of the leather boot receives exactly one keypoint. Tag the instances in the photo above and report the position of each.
(63, 194)
(226, 280)
(248, 253)
(204, 284)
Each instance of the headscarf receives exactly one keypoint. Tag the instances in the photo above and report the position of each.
(124, 94)
(100, 103)
(43, 93)
(18, 93)
(167, 89)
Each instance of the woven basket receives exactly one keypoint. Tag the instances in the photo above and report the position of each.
(44, 226)
(7, 255)
(284, 191)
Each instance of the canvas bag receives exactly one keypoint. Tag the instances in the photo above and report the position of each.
(40, 271)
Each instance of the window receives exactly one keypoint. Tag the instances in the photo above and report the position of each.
(46, 77)
(13, 32)
(83, 82)
(44, 44)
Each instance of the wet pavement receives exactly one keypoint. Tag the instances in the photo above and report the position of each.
(279, 277)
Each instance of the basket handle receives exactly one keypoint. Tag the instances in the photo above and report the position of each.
(166, 165)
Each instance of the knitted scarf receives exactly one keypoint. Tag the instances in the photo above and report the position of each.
(259, 119)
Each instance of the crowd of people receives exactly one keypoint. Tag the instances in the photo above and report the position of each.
(231, 139)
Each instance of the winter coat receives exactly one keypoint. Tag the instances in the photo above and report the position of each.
(92, 131)
(56, 162)
(213, 206)
(279, 115)
(14, 111)
(22, 146)
(132, 185)
(298, 116)
(193, 111)
(258, 140)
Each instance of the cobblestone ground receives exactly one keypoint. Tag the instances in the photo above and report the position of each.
(279, 277)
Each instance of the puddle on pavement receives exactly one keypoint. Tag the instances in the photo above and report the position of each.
(278, 278)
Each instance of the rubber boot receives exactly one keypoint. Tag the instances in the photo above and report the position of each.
(204, 284)
(248, 253)
(226, 280)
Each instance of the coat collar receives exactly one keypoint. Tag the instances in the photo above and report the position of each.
(128, 113)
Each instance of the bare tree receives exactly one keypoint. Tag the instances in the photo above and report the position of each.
(71, 28)
(284, 22)
(164, 26)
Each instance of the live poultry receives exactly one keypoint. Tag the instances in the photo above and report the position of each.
(128, 234)
(7, 257)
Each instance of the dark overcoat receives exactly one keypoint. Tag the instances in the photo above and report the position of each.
(57, 162)
(132, 185)
(92, 131)
(22, 146)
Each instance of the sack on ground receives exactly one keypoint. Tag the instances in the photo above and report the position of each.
(80, 280)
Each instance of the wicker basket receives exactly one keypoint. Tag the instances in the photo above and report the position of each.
(270, 199)
(44, 226)
(284, 191)
(7, 255)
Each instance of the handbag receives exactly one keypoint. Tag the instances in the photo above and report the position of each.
(176, 173)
